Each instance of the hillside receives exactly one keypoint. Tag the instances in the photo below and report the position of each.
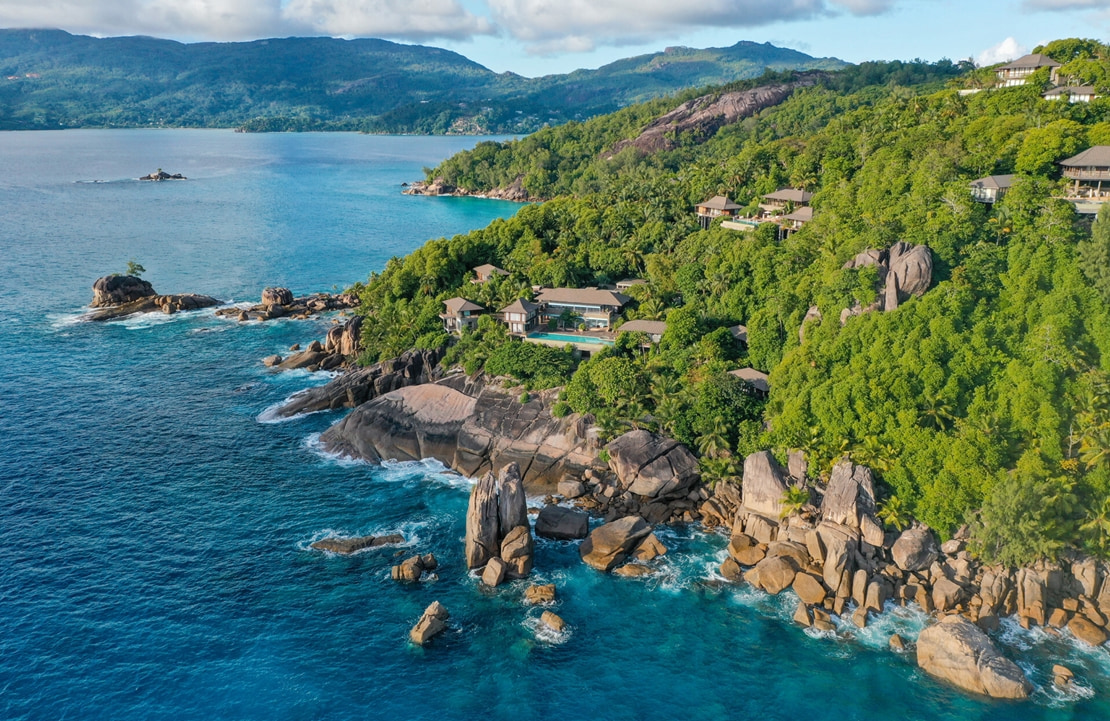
(51, 79)
(981, 397)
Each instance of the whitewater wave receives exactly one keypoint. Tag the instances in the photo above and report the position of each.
(415, 533)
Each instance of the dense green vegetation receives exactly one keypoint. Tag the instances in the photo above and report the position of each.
(51, 79)
(986, 401)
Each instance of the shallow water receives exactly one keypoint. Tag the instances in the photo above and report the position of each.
(155, 531)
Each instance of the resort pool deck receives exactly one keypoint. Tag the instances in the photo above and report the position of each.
(564, 338)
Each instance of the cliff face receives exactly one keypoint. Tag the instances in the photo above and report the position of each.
(471, 427)
(701, 117)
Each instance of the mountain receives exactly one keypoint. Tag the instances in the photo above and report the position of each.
(52, 79)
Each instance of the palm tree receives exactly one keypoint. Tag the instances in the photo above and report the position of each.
(1098, 523)
(714, 444)
(937, 413)
(794, 499)
(894, 514)
(1094, 445)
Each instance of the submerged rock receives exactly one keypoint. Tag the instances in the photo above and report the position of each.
(539, 594)
(356, 543)
(958, 652)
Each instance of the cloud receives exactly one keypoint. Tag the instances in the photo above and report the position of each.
(249, 19)
(1066, 4)
(1008, 49)
(577, 25)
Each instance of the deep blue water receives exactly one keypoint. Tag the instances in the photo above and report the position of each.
(154, 533)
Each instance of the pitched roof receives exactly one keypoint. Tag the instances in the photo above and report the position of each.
(719, 202)
(651, 327)
(804, 215)
(582, 296)
(789, 194)
(757, 379)
(520, 306)
(458, 305)
(631, 282)
(1031, 61)
(490, 270)
(1077, 90)
(739, 332)
(994, 182)
(1096, 157)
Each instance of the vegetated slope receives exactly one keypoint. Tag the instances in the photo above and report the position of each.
(986, 400)
(50, 79)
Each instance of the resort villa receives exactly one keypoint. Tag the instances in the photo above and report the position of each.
(991, 188)
(484, 272)
(1017, 72)
(716, 207)
(1089, 176)
(460, 313)
(593, 307)
(521, 316)
(758, 381)
(787, 208)
(1075, 94)
(653, 329)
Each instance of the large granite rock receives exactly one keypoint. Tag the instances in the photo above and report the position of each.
(764, 484)
(355, 387)
(610, 544)
(344, 339)
(119, 289)
(277, 296)
(910, 270)
(497, 523)
(958, 652)
(471, 427)
(652, 465)
(850, 501)
(915, 550)
(562, 524)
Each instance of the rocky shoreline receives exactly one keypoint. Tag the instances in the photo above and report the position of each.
(515, 192)
(833, 552)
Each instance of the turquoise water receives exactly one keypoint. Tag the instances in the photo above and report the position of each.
(154, 533)
(571, 338)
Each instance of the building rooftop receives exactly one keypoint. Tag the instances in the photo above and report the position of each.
(802, 215)
(792, 195)
(629, 282)
(582, 296)
(488, 269)
(458, 305)
(1031, 61)
(520, 306)
(719, 202)
(994, 182)
(1096, 157)
(651, 327)
(1071, 90)
(757, 379)
(739, 332)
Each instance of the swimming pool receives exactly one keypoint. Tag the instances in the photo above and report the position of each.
(569, 338)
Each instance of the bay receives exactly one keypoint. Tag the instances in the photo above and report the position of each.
(155, 534)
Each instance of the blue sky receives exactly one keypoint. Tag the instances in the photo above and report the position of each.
(536, 37)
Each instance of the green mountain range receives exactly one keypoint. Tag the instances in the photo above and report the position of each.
(52, 79)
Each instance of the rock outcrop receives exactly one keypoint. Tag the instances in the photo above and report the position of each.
(915, 550)
(653, 466)
(514, 191)
(764, 483)
(431, 624)
(701, 117)
(353, 544)
(119, 289)
(850, 501)
(497, 525)
(471, 427)
(958, 652)
(357, 386)
(611, 544)
(281, 303)
(562, 524)
(160, 175)
(116, 296)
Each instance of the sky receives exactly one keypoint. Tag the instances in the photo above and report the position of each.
(538, 37)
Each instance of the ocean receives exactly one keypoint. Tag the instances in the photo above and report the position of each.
(155, 532)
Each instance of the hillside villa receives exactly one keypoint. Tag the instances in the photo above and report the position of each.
(1018, 72)
(484, 272)
(787, 208)
(593, 307)
(1088, 173)
(653, 329)
(716, 207)
(521, 316)
(460, 313)
(758, 381)
(1074, 94)
(991, 188)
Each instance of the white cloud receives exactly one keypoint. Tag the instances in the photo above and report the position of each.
(248, 19)
(1008, 49)
(405, 18)
(549, 25)
(1066, 4)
